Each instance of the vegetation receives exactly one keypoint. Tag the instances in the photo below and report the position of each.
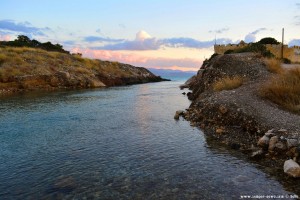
(273, 65)
(228, 83)
(284, 90)
(257, 47)
(268, 40)
(24, 41)
(20, 61)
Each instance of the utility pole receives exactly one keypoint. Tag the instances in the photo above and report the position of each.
(282, 43)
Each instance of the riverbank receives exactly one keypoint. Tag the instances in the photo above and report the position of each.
(27, 69)
(239, 116)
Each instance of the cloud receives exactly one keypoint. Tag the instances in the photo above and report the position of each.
(23, 27)
(101, 39)
(298, 5)
(192, 43)
(219, 31)
(5, 37)
(294, 42)
(144, 41)
(251, 37)
(186, 64)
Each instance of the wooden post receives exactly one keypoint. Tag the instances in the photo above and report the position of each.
(282, 43)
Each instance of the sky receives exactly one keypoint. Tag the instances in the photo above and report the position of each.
(162, 34)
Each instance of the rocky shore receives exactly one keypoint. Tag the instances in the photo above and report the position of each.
(27, 69)
(239, 117)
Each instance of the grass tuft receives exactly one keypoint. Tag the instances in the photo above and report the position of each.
(228, 83)
(274, 65)
(284, 90)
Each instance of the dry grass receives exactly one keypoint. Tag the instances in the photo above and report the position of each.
(3, 58)
(228, 83)
(284, 90)
(274, 65)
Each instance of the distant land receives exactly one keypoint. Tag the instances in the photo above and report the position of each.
(172, 74)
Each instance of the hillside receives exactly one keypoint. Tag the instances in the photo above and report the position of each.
(26, 68)
(234, 101)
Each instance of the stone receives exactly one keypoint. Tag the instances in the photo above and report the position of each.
(272, 143)
(257, 154)
(263, 141)
(223, 109)
(183, 93)
(219, 131)
(280, 146)
(282, 130)
(270, 133)
(291, 143)
(178, 113)
(293, 152)
(65, 183)
(291, 168)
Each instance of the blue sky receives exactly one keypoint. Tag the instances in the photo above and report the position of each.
(176, 34)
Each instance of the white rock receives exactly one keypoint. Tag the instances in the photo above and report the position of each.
(272, 143)
(263, 141)
(291, 168)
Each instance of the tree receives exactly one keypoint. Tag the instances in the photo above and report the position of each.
(268, 40)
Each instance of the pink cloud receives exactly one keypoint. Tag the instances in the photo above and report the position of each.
(5, 38)
(184, 64)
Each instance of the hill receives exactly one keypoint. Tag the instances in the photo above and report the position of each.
(172, 74)
(27, 68)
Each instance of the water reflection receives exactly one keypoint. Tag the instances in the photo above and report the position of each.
(113, 144)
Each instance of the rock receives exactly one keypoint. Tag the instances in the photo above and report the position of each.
(291, 168)
(282, 130)
(65, 75)
(223, 109)
(183, 93)
(65, 183)
(220, 131)
(257, 154)
(263, 141)
(293, 152)
(291, 143)
(178, 113)
(270, 133)
(280, 146)
(272, 143)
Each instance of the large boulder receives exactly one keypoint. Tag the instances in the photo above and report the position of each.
(291, 168)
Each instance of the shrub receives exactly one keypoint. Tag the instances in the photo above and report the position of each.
(229, 51)
(284, 90)
(268, 40)
(286, 61)
(3, 58)
(228, 83)
(273, 65)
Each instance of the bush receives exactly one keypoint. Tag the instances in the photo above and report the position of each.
(229, 51)
(256, 48)
(268, 40)
(3, 58)
(286, 61)
(228, 83)
(273, 65)
(284, 90)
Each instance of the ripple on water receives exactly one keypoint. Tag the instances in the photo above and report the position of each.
(115, 143)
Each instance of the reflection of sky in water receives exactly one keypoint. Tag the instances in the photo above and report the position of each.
(115, 143)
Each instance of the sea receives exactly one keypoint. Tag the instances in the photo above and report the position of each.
(119, 143)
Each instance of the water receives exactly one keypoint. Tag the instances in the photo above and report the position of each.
(116, 143)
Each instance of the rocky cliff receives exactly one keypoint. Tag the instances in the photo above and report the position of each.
(23, 69)
(240, 117)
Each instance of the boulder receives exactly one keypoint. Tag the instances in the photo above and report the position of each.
(280, 146)
(263, 141)
(270, 133)
(291, 143)
(291, 168)
(272, 143)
